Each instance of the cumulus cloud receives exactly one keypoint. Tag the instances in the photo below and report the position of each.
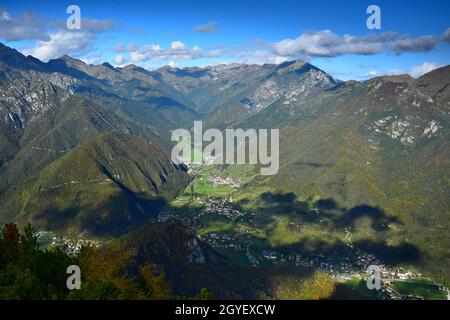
(120, 60)
(177, 51)
(446, 35)
(325, 43)
(27, 26)
(415, 71)
(177, 45)
(425, 67)
(207, 27)
(60, 43)
(53, 39)
(420, 44)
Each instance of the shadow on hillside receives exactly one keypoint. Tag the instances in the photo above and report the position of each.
(114, 216)
(190, 265)
(331, 217)
(107, 215)
(314, 165)
(326, 210)
(380, 221)
(269, 197)
(53, 218)
(339, 251)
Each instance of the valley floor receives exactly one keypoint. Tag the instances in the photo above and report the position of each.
(228, 215)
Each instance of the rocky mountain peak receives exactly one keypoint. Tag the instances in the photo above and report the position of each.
(15, 59)
(292, 65)
(109, 66)
(69, 61)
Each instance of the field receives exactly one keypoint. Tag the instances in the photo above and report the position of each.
(419, 288)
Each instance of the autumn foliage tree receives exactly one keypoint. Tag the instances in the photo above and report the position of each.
(27, 272)
(107, 273)
(106, 276)
(316, 286)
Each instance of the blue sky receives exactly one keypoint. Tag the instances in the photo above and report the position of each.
(414, 36)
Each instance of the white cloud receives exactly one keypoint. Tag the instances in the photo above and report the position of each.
(53, 40)
(425, 67)
(52, 37)
(177, 51)
(60, 43)
(279, 60)
(120, 60)
(415, 71)
(177, 45)
(419, 44)
(27, 26)
(325, 43)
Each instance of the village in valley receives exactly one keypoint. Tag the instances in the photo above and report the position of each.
(219, 221)
(69, 245)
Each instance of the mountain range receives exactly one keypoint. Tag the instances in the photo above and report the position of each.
(85, 148)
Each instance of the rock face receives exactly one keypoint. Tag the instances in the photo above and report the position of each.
(27, 101)
(195, 252)
(290, 82)
(67, 133)
(232, 92)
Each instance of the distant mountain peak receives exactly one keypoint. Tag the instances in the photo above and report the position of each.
(66, 57)
(7, 51)
(292, 65)
(167, 68)
(134, 68)
(16, 59)
(109, 66)
(131, 66)
(69, 61)
(438, 72)
(301, 67)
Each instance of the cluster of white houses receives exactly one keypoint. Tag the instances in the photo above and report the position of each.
(218, 181)
(223, 208)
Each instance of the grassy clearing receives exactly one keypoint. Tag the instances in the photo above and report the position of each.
(283, 232)
(354, 289)
(423, 288)
(213, 224)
